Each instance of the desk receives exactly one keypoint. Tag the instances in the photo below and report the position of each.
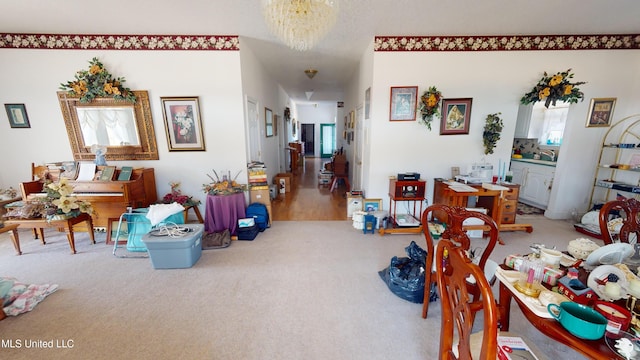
(592, 349)
(223, 211)
(67, 225)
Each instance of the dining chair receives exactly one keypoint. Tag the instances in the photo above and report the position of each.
(630, 229)
(453, 217)
(459, 306)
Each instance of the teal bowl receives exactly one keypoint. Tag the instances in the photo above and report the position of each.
(580, 320)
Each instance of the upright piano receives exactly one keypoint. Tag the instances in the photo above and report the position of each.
(110, 199)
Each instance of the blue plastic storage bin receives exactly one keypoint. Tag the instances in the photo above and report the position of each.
(167, 252)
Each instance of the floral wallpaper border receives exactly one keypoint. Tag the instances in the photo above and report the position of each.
(507, 42)
(118, 42)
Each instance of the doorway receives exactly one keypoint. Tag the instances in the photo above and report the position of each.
(327, 140)
(307, 136)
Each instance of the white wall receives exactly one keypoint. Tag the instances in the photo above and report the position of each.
(495, 81)
(32, 77)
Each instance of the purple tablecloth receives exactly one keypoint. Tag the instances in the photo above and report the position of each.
(223, 211)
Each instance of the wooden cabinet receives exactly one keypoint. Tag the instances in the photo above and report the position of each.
(508, 206)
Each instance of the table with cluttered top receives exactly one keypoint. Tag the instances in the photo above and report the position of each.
(586, 296)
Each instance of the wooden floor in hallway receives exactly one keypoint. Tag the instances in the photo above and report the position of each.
(309, 201)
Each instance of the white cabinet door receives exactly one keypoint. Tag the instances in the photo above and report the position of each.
(518, 170)
(537, 185)
(523, 121)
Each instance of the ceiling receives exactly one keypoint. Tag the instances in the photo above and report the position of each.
(337, 55)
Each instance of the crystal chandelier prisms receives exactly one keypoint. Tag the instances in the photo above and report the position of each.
(300, 24)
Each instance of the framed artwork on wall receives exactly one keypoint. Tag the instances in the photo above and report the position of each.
(17, 114)
(372, 205)
(402, 106)
(456, 114)
(268, 123)
(600, 112)
(182, 123)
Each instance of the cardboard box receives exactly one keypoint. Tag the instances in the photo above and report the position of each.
(260, 196)
(283, 181)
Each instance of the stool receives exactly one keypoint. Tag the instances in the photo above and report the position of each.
(369, 224)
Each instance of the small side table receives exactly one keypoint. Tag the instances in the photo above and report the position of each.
(195, 210)
(223, 211)
(14, 236)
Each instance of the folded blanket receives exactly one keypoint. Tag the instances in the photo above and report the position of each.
(23, 297)
(158, 212)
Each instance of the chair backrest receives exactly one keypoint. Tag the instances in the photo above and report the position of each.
(630, 222)
(459, 306)
(453, 218)
(30, 187)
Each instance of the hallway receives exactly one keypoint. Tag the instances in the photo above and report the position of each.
(309, 201)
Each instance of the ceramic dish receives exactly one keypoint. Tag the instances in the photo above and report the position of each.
(568, 260)
(601, 273)
(610, 254)
(508, 278)
(581, 248)
(627, 346)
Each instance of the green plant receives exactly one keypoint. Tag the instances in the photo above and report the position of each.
(554, 88)
(430, 105)
(491, 133)
(97, 82)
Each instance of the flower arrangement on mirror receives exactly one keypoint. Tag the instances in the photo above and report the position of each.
(491, 133)
(97, 82)
(430, 105)
(551, 89)
(176, 196)
(59, 202)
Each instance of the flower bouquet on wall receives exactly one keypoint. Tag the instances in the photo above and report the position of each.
(430, 105)
(97, 82)
(551, 89)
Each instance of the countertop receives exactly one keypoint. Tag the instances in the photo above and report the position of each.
(533, 161)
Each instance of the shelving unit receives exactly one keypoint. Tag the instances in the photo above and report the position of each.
(411, 191)
(618, 167)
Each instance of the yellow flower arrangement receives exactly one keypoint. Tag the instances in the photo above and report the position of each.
(551, 89)
(97, 82)
(223, 186)
(60, 195)
(430, 105)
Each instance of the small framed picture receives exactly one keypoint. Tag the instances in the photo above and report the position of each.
(372, 205)
(600, 112)
(403, 103)
(112, 231)
(183, 123)
(17, 114)
(456, 114)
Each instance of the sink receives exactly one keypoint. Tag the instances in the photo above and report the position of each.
(533, 161)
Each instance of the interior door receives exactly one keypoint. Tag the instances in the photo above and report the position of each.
(307, 136)
(327, 140)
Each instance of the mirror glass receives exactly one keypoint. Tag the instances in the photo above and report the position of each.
(108, 126)
(125, 128)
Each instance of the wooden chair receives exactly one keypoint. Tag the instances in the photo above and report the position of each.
(459, 306)
(453, 217)
(629, 209)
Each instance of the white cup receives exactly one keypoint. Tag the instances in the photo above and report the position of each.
(550, 256)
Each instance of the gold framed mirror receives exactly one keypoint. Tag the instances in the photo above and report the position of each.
(125, 128)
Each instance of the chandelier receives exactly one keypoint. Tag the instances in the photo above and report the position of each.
(300, 24)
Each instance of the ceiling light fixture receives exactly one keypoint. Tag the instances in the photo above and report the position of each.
(300, 24)
(311, 73)
(309, 94)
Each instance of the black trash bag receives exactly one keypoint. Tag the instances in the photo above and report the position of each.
(405, 275)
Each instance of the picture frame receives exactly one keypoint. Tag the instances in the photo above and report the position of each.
(370, 205)
(268, 123)
(112, 229)
(402, 106)
(17, 114)
(183, 123)
(600, 112)
(456, 115)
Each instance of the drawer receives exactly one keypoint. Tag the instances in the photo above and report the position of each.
(511, 194)
(509, 206)
(508, 218)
